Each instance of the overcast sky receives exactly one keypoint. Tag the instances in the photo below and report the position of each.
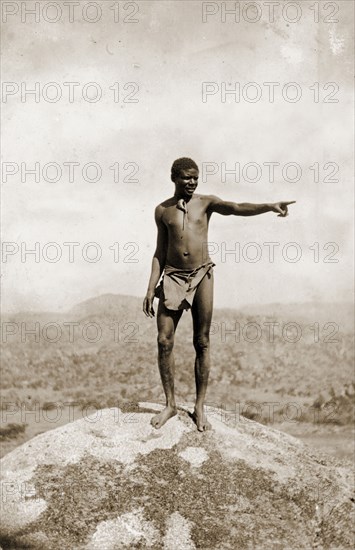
(169, 53)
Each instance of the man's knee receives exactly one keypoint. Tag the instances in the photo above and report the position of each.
(165, 343)
(202, 342)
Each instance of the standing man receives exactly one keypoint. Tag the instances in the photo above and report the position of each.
(182, 223)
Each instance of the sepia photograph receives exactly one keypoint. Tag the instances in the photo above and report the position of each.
(177, 275)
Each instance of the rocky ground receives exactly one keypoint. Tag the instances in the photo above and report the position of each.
(112, 481)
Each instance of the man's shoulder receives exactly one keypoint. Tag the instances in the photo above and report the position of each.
(208, 199)
(162, 205)
(197, 196)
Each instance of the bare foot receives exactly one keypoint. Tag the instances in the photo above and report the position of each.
(200, 419)
(159, 419)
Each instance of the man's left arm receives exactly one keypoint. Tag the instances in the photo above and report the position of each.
(227, 208)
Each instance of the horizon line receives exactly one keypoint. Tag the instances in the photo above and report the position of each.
(241, 307)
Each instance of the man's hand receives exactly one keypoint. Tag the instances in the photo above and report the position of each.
(281, 207)
(148, 305)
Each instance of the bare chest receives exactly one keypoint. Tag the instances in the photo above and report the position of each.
(194, 218)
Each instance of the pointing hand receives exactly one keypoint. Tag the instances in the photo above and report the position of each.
(281, 208)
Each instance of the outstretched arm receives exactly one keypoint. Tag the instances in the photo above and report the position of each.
(247, 209)
(158, 263)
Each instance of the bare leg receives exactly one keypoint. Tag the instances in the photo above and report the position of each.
(167, 322)
(202, 314)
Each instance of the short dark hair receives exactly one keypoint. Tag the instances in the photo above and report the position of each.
(184, 163)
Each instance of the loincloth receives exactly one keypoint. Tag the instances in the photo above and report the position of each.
(178, 286)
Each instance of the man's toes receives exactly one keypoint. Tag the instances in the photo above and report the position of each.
(154, 422)
(202, 425)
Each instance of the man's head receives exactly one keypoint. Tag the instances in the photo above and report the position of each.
(184, 173)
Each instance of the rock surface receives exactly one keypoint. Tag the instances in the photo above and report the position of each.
(111, 481)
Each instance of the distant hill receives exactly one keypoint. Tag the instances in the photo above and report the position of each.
(120, 305)
(107, 304)
(341, 313)
(117, 305)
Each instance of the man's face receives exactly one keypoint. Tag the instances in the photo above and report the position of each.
(187, 182)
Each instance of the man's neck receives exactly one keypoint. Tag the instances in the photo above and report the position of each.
(179, 196)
